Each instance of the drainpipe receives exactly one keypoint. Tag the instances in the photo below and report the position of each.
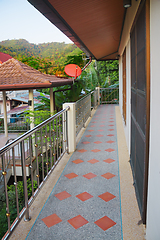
(87, 64)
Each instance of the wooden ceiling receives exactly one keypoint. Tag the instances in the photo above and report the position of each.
(93, 25)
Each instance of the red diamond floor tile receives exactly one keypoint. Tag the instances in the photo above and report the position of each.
(108, 175)
(110, 142)
(89, 175)
(82, 150)
(99, 135)
(110, 135)
(111, 125)
(109, 160)
(98, 142)
(106, 196)
(95, 150)
(88, 136)
(93, 122)
(111, 121)
(110, 129)
(110, 150)
(92, 126)
(100, 130)
(84, 196)
(93, 161)
(90, 130)
(51, 220)
(71, 175)
(62, 195)
(77, 221)
(86, 142)
(77, 161)
(105, 223)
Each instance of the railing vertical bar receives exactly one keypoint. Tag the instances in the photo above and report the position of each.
(42, 158)
(4, 173)
(54, 154)
(37, 163)
(15, 180)
(46, 148)
(27, 218)
(31, 166)
(57, 137)
(50, 145)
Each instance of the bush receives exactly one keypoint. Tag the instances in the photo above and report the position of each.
(12, 203)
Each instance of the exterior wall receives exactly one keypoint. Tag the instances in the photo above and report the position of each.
(127, 127)
(153, 207)
(8, 106)
(125, 42)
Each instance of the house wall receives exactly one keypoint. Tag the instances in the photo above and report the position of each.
(153, 206)
(128, 93)
(8, 106)
(125, 43)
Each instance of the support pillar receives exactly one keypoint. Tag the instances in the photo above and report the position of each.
(98, 88)
(5, 114)
(31, 107)
(51, 102)
(71, 126)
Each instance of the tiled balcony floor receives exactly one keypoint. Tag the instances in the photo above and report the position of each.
(85, 203)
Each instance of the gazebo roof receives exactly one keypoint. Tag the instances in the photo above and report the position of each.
(15, 75)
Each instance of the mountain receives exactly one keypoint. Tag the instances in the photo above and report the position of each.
(22, 48)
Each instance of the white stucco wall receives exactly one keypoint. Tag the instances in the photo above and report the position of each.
(125, 43)
(153, 207)
(127, 126)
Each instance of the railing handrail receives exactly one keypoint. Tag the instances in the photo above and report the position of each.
(110, 88)
(84, 97)
(30, 132)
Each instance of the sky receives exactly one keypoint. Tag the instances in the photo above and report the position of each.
(19, 19)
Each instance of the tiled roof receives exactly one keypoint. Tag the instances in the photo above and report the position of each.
(17, 75)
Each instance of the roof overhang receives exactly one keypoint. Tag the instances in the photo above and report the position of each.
(94, 26)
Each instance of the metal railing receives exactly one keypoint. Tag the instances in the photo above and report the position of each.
(83, 109)
(7, 162)
(15, 124)
(40, 150)
(109, 95)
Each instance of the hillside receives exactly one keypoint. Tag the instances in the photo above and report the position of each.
(47, 57)
(22, 48)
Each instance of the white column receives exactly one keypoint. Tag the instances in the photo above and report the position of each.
(5, 114)
(71, 125)
(51, 102)
(31, 108)
(98, 88)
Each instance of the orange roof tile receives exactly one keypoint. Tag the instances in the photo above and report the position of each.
(17, 75)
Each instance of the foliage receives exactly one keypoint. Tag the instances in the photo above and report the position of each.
(38, 115)
(48, 58)
(12, 203)
(108, 73)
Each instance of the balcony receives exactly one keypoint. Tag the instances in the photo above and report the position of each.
(79, 161)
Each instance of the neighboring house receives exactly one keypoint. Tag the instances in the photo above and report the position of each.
(105, 30)
(17, 102)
